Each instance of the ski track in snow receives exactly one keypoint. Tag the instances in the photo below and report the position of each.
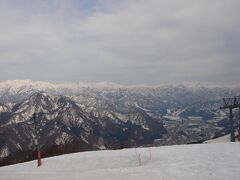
(184, 162)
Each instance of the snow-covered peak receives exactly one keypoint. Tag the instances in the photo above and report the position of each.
(209, 85)
(21, 83)
(15, 85)
(101, 85)
(20, 86)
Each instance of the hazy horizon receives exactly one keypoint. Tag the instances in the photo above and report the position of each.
(127, 42)
(193, 84)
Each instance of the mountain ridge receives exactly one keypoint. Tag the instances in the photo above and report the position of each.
(92, 118)
(106, 84)
(66, 127)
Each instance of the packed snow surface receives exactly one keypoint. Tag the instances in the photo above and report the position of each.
(185, 162)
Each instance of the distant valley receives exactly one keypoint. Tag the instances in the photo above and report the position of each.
(95, 116)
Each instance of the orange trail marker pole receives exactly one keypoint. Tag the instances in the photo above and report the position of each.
(36, 140)
(39, 158)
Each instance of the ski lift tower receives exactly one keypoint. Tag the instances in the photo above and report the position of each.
(36, 140)
(232, 103)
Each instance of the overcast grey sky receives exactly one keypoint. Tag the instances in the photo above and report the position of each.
(123, 41)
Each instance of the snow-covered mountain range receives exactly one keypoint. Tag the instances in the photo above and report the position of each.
(87, 116)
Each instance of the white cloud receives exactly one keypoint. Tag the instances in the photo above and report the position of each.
(138, 41)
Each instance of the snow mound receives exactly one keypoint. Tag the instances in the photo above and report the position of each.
(185, 162)
(222, 139)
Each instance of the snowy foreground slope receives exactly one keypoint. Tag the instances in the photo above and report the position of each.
(185, 162)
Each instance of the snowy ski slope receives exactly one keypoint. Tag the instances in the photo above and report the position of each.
(185, 162)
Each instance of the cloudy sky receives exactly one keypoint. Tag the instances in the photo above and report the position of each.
(122, 41)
